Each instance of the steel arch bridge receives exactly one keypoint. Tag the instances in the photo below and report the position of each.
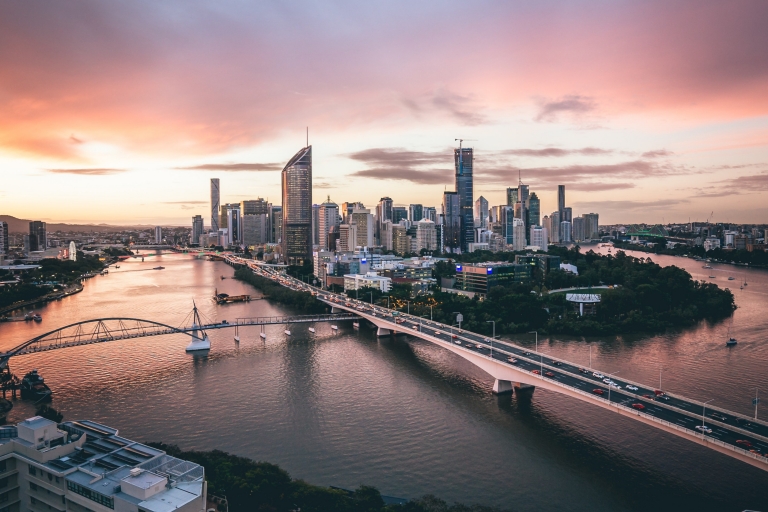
(92, 331)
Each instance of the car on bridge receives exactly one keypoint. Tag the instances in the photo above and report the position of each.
(744, 443)
(536, 372)
(631, 387)
(598, 391)
(639, 407)
(704, 429)
(598, 375)
(549, 374)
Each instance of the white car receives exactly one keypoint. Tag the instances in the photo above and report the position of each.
(631, 387)
(607, 381)
(598, 375)
(702, 428)
(614, 385)
(457, 342)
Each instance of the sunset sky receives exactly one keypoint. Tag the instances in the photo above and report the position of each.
(120, 112)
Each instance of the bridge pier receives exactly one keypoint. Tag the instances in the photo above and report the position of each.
(502, 386)
(381, 331)
(524, 390)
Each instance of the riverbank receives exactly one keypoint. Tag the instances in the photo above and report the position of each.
(739, 258)
(251, 485)
(277, 293)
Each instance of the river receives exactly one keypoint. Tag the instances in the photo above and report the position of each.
(399, 413)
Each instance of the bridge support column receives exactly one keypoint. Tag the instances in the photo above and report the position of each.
(524, 390)
(502, 386)
(334, 310)
(381, 331)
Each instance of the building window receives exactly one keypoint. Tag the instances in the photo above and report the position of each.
(91, 495)
(50, 477)
(33, 486)
(2, 465)
(3, 481)
(32, 470)
(4, 497)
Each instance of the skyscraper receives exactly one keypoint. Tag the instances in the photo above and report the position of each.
(578, 229)
(234, 225)
(37, 236)
(507, 221)
(297, 208)
(362, 220)
(315, 224)
(554, 233)
(254, 207)
(533, 217)
(567, 214)
(451, 222)
(518, 234)
(158, 235)
(276, 224)
(197, 229)
(399, 213)
(591, 226)
(328, 218)
(560, 198)
(565, 232)
(511, 196)
(430, 213)
(3, 237)
(539, 237)
(383, 214)
(463, 161)
(215, 203)
(415, 213)
(481, 212)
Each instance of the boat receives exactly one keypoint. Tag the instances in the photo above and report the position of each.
(731, 278)
(311, 329)
(158, 268)
(711, 277)
(731, 340)
(117, 266)
(222, 278)
(29, 317)
(37, 318)
(33, 387)
(334, 327)
(745, 280)
(200, 343)
(707, 266)
(287, 332)
(237, 339)
(263, 335)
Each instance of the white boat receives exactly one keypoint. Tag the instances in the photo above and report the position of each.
(335, 327)
(263, 335)
(237, 339)
(356, 325)
(311, 329)
(287, 332)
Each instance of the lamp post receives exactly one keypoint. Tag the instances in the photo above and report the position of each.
(409, 306)
(458, 318)
(371, 297)
(494, 334)
(537, 338)
(756, 401)
(430, 313)
(387, 301)
(609, 386)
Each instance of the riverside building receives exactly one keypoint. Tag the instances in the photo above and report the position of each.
(83, 466)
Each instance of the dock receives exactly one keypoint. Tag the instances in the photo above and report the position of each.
(223, 298)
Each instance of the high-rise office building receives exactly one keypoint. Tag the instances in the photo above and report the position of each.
(567, 214)
(234, 225)
(315, 225)
(451, 222)
(430, 213)
(533, 216)
(3, 237)
(507, 221)
(554, 234)
(328, 218)
(577, 227)
(401, 243)
(383, 214)
(275, 224)
(197, 229)
(463, 161)
(254, 207)
(539, 237)
(415, 212)
(158, 235)
(346, 209)
(519, 239)
(297, 208)
(255, 229)
(481, 212)
(362, 220)
(591, 226)
(560, 198)
(511, 196)
(565, 232)
(215, 204)
(426, 236)
(399, 213)
(224, 215)
(37, 236)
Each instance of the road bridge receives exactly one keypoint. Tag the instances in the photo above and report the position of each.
(516, 368)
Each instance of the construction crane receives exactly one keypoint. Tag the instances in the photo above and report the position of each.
(711, 216)
(461, 153)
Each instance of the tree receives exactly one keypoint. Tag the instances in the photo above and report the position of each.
(49, 413)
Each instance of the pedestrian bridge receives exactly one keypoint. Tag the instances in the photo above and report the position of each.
(517, 369)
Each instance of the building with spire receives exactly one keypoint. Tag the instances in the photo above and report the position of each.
(464, 162)
(297, 208)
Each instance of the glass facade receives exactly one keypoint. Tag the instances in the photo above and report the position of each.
(91, 495)
(215, 203)
(451, 222)
(297, 208)
(481, 278)
(463, 160)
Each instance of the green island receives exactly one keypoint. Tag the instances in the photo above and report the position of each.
(757, 259)
(636, 295)
(261, 486)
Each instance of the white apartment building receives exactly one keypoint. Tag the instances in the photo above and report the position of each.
(368, 280)
(83, 466)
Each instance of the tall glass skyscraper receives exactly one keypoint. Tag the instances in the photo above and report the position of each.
(560, 198)
(451, 222)
(534, 214)
(297, 208)
(463, 160)
(215, 203)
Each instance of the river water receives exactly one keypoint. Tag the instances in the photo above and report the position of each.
(399, 413)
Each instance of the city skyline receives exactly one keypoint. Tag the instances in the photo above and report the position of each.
(653, 129)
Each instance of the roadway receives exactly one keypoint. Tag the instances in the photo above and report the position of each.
(727, 427)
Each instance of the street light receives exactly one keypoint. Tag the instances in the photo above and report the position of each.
(409, 306)
(756, 401)
(609, 385)
(371, 297)
(457, 318)
(660, 370)
(494, 334)
(537, 338)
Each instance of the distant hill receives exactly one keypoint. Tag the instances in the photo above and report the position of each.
(22, 226)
